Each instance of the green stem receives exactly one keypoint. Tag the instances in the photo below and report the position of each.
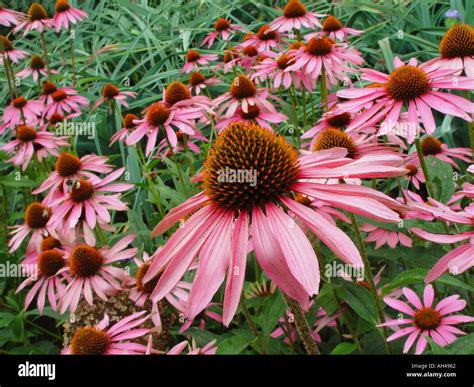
(73, 61)
(302, 327)
(173, 158)
(370, 279)
(252, 326)
(323, 88)
(45, 52)
(421, 157)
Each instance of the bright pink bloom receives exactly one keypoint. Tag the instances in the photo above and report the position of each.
(183, 144)
(11, 52)
(458, 260)
(334, 29)
(88, 203)
(264, 40)
(383, 236)
(254, 114)
(323, 56)
(110, 92)
(426, 321)
(99, 340)
(398, 89)
(9, 17)
(36, 68)
(198, 82)
(48, 278)
(217, 230)
(68, 168)
(21, 111)
(194, 60)
(209, 349)
(224, 29)
(29, 142)
(158, 117)
(92, 272)
(128, 126)
(36, 19)
(63, 101)
(295, 17)
(65, 14)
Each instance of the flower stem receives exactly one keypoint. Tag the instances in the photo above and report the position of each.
(421, 157)
(323, 88)
(302, 327)
(73, 60)
(173, 158)
(45, 52)
(370, 279)
(252, 326)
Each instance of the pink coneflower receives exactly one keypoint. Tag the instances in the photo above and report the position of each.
(69, 167)
(87, 202)
(264, 40)
(36, 19)
(110, 92)
(177, 96)
(9, 17)
(63, 101)
(128, 126)
(383, 236)
(426, 321)
(288, 330)
(48, 279)
(458, 260)
(198, 82)
(99, 340)
(158, 117)
(456, 50)
(431, 146)
(11, 52)
(37, 216)
(224, 29)
(415, 174)
(91, 271)
(246, 58)
(334, 29)
(254, 114)
(36, 69)
(274, 68)
(65, 14)
(218, 229)
(330, 119)
(209, 349)
(21, 111)
(324, 55)
(415, 87)
(30, 142)
(184, 143)
(243, 93)
(194, 60)
(295, 17)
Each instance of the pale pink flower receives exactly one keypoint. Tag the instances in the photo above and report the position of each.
(295, 17)
(64, 101)
(194, 60)
(128, 126)
(198, 82)
(48, 278)
(110, 92)
(415, 87)
(184, 143)
(21, 111)
(224, 29)
(116, 340)
(209, 349)
(458, 260)
(243, 93)
(37, 216)
(254, 114)
(9, 17)
(415, 174)
(11, 52)
(383, 236)
(30, 142)
(264, 40)
(323, 56)
(36, 19)
(218, 219)
(36, 69)
(456, 51)
(68, 168)
(334, 29)
(177, 96)
(64, 15)
(159, 117)
(426, 321)
(92, 272)
(88, 203)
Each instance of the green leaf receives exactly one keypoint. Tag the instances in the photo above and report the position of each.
(462, 346)
(235, 344)
(273, 308)
(360, 300)
(441, 175)
(344, 349)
